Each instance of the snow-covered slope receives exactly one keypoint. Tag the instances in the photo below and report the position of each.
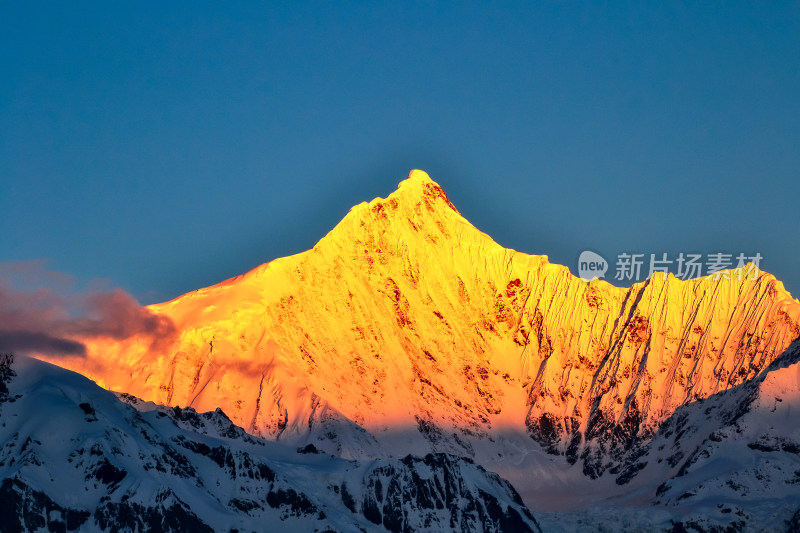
(727, 463)
(407, 330)
(75, 457)
(735, 458)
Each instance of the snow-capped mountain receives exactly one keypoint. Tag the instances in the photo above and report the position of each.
(76, 457)
(407, 330)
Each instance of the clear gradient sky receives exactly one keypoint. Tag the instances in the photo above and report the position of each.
(166, 148)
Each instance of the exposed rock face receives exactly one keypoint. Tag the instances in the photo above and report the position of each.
(76, 458)
(665, 344)
(406, 317)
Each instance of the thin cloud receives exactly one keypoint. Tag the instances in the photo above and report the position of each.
(28, 341)
(44, 312)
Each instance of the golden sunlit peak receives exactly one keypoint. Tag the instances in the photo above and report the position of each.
(416, 177)
(420, 186)
(419, 175)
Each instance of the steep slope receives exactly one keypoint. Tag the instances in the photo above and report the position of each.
(737, 454)
(407, 321)
(74, 457)
(727, 463)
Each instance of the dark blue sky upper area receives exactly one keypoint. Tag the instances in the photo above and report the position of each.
(169, 147)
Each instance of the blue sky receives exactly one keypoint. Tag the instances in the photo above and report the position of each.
(166, 148)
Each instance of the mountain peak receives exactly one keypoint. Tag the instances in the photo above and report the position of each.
(415, 195)
(418, 187)
(416, 176)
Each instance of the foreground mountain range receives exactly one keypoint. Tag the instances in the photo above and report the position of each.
(406, 330)
(76, 457)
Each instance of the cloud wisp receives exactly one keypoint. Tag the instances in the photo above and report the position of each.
(43, 312)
